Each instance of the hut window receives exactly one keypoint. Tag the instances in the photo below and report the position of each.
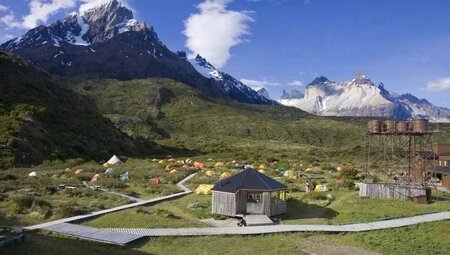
(254, 197)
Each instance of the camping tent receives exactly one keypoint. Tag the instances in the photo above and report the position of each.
(185, 166)
(339, 168)
(309, 170)
(321, 188)
(79, 171)
(199, 165)
(113, 160)
(109, 171)
(280, 169)
(161, 162)
(219, 164)
(225, 174)
(33, 174)
(68, 169)
(96, 178)
(173, 171)
(106, 165)
(155, 181)
(204, 189)
(262, 171)
(289, 173)
(125, 176)
(262, 166)
(168, 167)
(210, 173)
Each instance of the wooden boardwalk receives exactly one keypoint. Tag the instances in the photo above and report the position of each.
(94, 234)
(257, 220)
(115, 209)
(122, 236)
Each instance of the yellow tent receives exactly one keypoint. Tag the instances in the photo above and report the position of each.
(321, 188)
(171, 160)
(173, 171)
(339, 168)
(106, 165)
(161, 161)
(154, 160)
(225, 174)
(219, 164)
(204, 189)
(358, 185)
(262, 166)
(210, 173)
(262, 171)
(309, 170)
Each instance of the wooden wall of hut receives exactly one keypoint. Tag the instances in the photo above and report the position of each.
(223, 203)
(392, 191)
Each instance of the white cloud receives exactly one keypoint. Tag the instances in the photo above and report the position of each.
(40, 11)
(437, 85)
(295, 83)
(3, 8)
(89, 4)
(6, 37)
(256, 85)
(215, 30)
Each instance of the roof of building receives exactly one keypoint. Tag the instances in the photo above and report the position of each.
(248, 179)
(442, 169)
(427, 155)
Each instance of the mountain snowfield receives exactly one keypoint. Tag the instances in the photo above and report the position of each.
(361, 97)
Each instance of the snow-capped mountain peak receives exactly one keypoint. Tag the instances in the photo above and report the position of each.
(361, 97)
(205, 68)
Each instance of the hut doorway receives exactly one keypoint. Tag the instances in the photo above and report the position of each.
(254, 203)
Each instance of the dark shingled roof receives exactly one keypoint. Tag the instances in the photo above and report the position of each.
(442, 169)
(427, 155)
(249, 179)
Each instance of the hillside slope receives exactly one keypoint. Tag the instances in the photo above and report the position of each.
(41, 120)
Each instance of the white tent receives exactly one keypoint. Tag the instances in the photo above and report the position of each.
(33, 174)
(113, 160)
(109, 171)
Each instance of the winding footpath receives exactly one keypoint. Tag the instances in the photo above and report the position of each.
(122, 236)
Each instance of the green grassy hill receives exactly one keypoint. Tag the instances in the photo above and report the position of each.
(174, 114)
(41, 120)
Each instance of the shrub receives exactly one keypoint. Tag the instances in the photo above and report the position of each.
(69, 209)
(15, 209)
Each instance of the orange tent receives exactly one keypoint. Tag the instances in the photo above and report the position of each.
(79, 171)
(199, 165)
(173, 171)
(155, 181)
(68, 169)
(96, 178)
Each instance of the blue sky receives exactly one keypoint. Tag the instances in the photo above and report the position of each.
(274, 43)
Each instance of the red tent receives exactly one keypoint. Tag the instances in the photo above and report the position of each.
(155, 181)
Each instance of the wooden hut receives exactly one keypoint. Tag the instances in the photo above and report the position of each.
(249, 192)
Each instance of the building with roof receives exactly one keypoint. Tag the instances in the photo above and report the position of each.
(437, 163)
(249, 192)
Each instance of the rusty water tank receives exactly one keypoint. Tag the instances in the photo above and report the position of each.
(374, 126)
(419, 126)
(401, 127)
(388, 126)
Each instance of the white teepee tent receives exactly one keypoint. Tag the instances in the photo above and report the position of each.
(113, 160)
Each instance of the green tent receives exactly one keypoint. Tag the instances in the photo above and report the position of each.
(289, 173)
(124, 176)
(281, 169)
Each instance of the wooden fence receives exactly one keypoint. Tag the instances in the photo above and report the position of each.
(392, 191)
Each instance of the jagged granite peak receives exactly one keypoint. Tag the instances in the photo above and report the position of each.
(360, 97)
(234, 88)
(319, 80)
(361, 79)
(294, 94)
(263, 92)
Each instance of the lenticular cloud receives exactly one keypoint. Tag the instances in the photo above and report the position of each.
(214, 30)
